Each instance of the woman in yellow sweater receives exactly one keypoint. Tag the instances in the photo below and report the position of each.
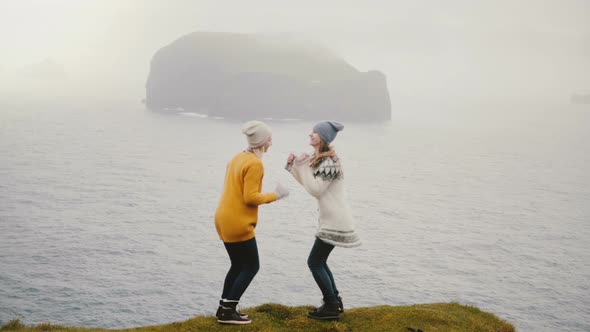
(237, 215)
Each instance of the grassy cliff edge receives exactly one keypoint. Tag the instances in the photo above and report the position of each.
(276, 317)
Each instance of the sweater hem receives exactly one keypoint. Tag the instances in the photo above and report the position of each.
(340, 244)
(347, 239)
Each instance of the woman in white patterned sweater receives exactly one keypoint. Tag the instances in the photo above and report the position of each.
(321, 176)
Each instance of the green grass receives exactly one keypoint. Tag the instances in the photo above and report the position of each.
(437, 317)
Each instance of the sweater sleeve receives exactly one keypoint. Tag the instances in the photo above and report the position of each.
(253, 184)
(303, 173)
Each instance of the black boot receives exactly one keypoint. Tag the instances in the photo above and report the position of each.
(218, 313)
(340, 305)
(228, 314)
(327, 311)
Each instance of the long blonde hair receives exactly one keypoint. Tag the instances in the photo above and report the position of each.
(260, 150)
(324, 151)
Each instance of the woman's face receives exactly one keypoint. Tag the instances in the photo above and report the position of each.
(314, 139)
(268, 144)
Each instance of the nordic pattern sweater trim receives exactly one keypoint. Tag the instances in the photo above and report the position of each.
(325, 183)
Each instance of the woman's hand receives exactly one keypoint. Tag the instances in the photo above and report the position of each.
(302, 156)
(290, 159)
(281, 191)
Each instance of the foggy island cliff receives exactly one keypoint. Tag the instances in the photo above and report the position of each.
(241, 76)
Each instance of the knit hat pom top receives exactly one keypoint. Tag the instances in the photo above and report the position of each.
(328, 130)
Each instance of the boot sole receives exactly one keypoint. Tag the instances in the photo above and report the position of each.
(234, 322)
(243, 316)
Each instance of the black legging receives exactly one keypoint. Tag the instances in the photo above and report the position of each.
(318, 265)
(244, 266)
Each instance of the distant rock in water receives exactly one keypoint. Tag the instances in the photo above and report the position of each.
(48, 69)
(580, 98)
(239, 76)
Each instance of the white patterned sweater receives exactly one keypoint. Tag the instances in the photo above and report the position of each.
(325, 183)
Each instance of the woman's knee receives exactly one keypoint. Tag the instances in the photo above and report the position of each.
(251, 268)
(314, 263)
(255, 267)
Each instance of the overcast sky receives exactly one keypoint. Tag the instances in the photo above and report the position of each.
(425, 47)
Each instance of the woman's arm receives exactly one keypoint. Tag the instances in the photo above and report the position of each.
(252, 185)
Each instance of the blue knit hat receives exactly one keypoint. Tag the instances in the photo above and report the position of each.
(328, 130)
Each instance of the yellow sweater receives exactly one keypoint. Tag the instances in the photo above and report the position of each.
(237, 212)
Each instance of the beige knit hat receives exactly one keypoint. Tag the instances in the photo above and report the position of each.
(257, 133)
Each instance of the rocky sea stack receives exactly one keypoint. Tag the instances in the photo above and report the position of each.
(242, 76)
